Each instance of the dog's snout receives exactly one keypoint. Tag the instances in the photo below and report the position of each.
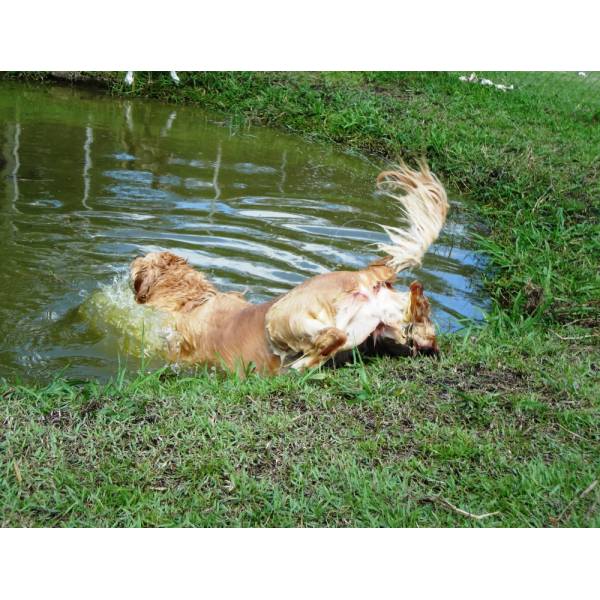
(430, 348)
(433, 351)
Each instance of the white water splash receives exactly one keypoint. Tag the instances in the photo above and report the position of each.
(113, 311)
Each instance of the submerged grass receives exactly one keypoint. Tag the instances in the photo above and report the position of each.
(506, 422)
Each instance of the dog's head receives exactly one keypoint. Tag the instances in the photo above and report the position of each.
(167, 281)
(409, 330)
(146, 271)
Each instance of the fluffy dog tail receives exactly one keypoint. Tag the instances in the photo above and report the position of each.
(425, 205)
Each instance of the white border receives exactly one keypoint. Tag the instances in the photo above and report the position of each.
(316, 35)
(299, 564)
(299, 35)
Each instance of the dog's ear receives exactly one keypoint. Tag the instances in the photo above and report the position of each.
(141, 284)
(419, 305)
(422, 333)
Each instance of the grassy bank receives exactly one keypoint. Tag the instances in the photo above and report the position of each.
(507, 422)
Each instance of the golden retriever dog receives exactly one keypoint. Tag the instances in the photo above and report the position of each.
(326, 316)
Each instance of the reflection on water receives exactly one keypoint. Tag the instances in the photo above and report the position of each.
(88, 182)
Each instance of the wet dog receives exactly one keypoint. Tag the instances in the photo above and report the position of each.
(322, 319)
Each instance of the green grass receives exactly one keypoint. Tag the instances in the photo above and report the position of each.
(489, 428)
(506, 422)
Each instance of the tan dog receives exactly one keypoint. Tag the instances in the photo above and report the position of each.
(325, 316)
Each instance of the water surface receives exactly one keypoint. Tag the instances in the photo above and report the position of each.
(88, 182)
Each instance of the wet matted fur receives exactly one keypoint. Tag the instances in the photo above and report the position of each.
(325, 316)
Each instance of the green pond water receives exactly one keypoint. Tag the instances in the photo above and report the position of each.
(88, 182)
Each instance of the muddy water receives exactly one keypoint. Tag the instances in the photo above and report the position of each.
(88, 182)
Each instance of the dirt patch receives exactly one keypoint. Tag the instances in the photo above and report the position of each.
(478, 378)
(534, 297)
(60, 418)
(92, 407)
(471, 378)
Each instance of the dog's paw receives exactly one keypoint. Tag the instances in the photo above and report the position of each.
(329, 340)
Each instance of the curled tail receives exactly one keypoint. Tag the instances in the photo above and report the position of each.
(425, 204)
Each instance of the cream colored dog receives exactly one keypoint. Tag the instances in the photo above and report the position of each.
(325, 316)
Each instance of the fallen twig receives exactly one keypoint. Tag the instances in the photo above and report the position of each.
(573, 433)
(585, 492)
(460, 511)
(574, 337)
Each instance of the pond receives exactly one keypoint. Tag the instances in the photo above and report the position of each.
(87, 182)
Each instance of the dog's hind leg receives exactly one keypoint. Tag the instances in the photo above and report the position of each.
(326, 343)
(315, 342)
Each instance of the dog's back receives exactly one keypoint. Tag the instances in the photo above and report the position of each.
(227, 331)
